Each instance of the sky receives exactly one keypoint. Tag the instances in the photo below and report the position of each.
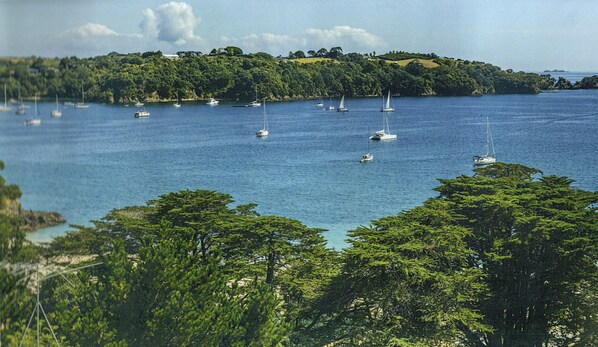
(528, 35)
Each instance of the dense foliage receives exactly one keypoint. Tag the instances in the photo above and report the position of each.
(506, 257)
(227, 73)
(15, 304)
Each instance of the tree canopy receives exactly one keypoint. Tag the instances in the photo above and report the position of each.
(505, 257)
(229, 73)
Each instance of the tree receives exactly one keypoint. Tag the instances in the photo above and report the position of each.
(406, 279)
(535, 240)
(232, 50)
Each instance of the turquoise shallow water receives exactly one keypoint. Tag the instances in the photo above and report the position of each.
(93, 160)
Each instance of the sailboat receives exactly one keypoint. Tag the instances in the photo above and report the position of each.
(320, 103)
(256, 102)
(386, 106)
(6, 107)
(56, 112)
(330, 107)
(82, 104)
(341, 106)
(35, 120)
(21, 108)
(263, 132)
(487, 158)
(384, 134)
(212, 102)
(368, 157)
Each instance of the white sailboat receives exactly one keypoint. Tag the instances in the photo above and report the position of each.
(21, 107)
(6, 107)
(368, 157)
(264, 131)
(384, 134)
(142, 114)
(256, 102)
(320, 103)
(82, 104)
(212, 102)
(487, 158)
(330, 107)
(341, 106)
(386, 106)
(57, 112)
(35, 120)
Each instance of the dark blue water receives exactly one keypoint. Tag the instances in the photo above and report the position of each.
(93, 160)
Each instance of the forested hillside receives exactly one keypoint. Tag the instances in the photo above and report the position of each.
(506, 257)
(229, 74)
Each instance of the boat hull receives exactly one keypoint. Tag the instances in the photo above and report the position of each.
(483, 160)
(366, 158)
(34, 121)
(383, 137)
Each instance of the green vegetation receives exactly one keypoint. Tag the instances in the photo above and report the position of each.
(228, 73)
(506, 257)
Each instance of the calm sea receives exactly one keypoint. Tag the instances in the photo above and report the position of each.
(93, 160)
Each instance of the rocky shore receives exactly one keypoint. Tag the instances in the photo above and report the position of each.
(33, 220)
(29, 220)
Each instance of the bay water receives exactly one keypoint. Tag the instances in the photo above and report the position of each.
(93, 160)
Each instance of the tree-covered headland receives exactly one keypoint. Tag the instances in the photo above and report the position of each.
(228, 73)
(506, 257)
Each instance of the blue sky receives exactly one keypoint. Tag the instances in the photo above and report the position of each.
(528, 35)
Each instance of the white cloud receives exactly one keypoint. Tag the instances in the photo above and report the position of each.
(173, 22)
(265, 42)
(149, 24)
(94, 39)
(344, 35)
(89, 30)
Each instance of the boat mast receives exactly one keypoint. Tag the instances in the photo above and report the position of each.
(265, 116)
(489, 142)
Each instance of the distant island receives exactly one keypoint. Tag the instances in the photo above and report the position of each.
(555, 70)
(230, 74)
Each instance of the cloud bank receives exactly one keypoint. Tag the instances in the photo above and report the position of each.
(352, 38)
(349, 38)
(173, 22)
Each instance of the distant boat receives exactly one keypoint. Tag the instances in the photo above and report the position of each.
(21, 107)
(384, 134)
(386, 106)
(487, 158)
(82, 104)
(256, 102)
(35, 120)
(6, 107)
(212, 102)
(368, 157)
(341, 106)
(264, 131)
(330, 107)
(69, 103)
(319, 104)
(176, 105)
(139, 104)
(56, 112)
(142, 114)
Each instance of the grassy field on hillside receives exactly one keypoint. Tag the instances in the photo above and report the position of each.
(427, 63)
(311, 60)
